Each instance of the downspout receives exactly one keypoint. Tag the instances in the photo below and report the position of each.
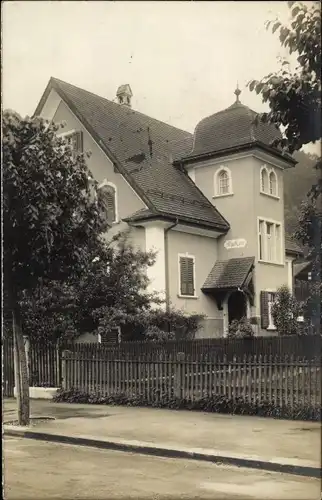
(166, 264)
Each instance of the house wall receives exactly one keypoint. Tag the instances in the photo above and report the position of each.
(242, 210)
(204, 250)
(102, 168)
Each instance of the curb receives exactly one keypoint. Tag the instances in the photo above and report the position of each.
(148, 449)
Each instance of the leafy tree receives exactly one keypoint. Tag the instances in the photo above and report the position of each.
(285, 312)
(309, 233)
(294, 100)
(112, 292)
(51, 221)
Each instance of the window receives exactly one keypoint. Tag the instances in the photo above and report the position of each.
(272, 184)
(107, 197)
(268, 182)
(112, 336)
(269, 241)
(74, 139)
(261, 240)
(223, 184)
(186, 275)
(264, 180)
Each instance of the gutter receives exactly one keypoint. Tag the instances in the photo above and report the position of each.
(166, 264)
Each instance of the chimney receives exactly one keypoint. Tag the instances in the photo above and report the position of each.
(124, 95)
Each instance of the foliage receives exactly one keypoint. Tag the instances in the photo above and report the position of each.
(240, 329)
(309, 233)
(285, 312)
(167, 325)
(112, 292)
(295, 98)
(214, 404)
(295, 103)
(51, 220)
(297, 183)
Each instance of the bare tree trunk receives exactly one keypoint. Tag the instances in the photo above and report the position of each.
(21, 372)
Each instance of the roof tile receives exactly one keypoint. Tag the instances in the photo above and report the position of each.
(229, 274)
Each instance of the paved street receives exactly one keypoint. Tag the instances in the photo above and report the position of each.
(39, 470)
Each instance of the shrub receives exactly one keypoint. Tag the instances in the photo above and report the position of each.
(240, 329)
(214, 404)
(285, 311)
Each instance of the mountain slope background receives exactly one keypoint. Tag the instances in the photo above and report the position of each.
(297, 183)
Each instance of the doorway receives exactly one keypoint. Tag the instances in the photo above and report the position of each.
(237, 306)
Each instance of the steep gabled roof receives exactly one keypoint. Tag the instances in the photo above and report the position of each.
(142, 149)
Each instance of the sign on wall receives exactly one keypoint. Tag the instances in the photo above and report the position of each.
(238, 243)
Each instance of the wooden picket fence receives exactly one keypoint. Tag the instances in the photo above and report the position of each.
(308, 346)
(44, 365)
(279, 380)
(8, 375)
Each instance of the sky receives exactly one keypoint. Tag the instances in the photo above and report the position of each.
(181, 59)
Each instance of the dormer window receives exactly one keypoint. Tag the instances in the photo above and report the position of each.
(223, 184)
(108, 197)
(268, 182)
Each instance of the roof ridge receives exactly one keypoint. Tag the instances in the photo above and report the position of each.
(116, 104)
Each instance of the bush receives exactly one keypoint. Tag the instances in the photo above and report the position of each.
(285, 311)
(240, 329)
(214, 404)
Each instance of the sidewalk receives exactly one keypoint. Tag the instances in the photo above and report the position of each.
(244, 441)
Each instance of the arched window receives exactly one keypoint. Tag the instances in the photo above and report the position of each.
(272, 183)
(264, 180)
(223, 182)
(107, 195)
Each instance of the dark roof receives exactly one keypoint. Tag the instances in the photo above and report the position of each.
(300, 267)
(229, 274)
(142, 149)
(291, 246)
(232, 128)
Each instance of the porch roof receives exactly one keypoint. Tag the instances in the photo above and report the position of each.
(229, 274)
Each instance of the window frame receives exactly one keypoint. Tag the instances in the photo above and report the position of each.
(272, 173)
(111, 184)
(187, 256)
(277, 250)
(217, 193)
(262, 184)
(262, 190)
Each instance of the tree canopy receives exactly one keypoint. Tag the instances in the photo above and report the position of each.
(294, 97)
(52, 222)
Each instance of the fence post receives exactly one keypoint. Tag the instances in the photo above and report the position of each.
(178, 375)
(63, 371)
(27, 351)
(58, 374)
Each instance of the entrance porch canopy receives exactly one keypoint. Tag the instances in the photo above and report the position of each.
(228, 276)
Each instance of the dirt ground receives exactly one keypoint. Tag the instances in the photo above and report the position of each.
(39, 470)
